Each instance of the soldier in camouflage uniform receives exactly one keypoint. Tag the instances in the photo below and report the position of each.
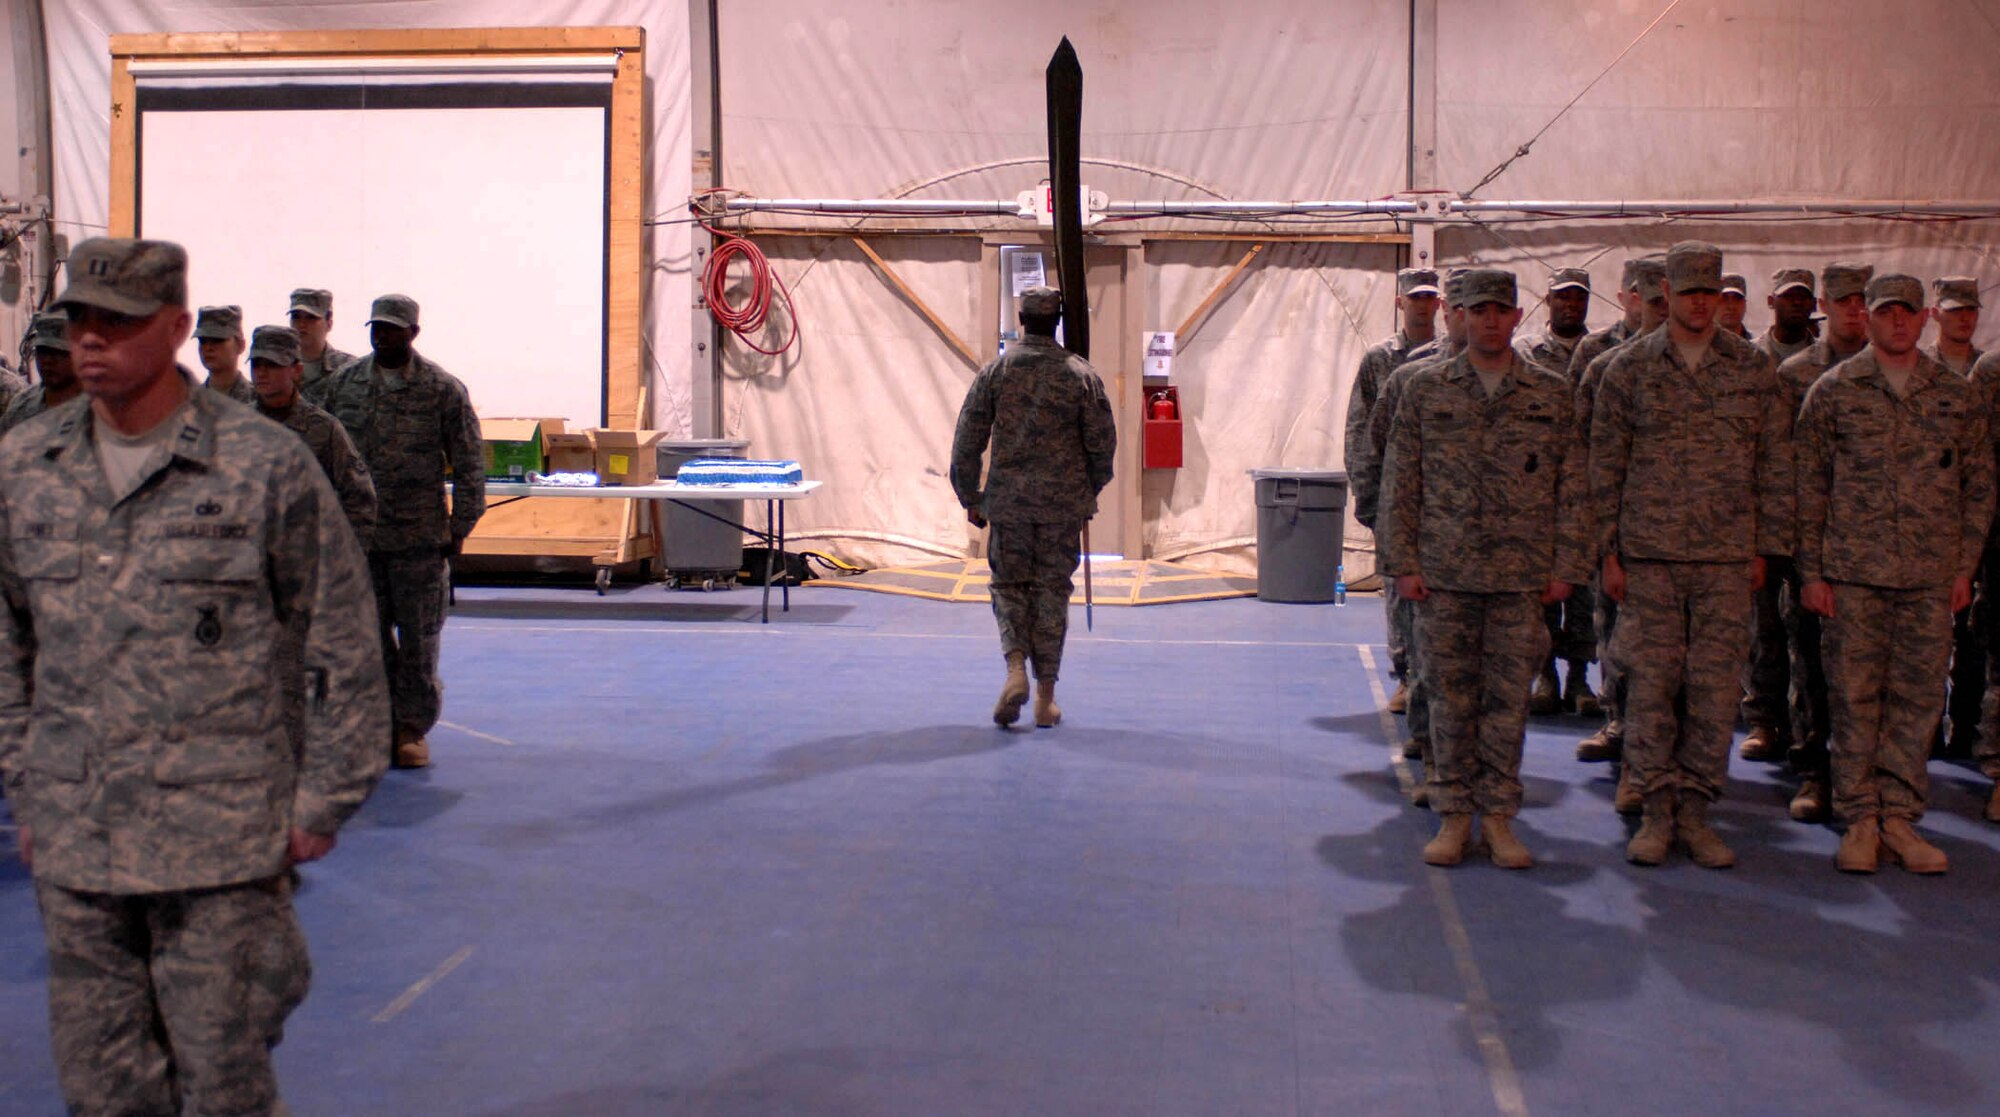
(411, 420)
(1956, 303)
(276, 370)
(218, 332)
(156, 542)
(1044, 411)
(1767, 678)
(1644, 292)
(1691, 466)
(1842, 287)
(1733, 305)
(1791, 302)
(12, 384)
(1986, 750)
(1573, 639)
(1895, 490)
(312, 317)
(1417, 303)
(1481, 526)
(1568, 300)
(58, 384)
(1366, 486)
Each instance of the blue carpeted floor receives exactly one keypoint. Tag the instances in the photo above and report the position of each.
(674, 861)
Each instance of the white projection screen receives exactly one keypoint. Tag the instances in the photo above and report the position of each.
(480, 191)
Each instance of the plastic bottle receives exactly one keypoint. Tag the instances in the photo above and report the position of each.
(1340, 584)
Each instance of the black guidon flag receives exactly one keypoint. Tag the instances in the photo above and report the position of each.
(1065, 97)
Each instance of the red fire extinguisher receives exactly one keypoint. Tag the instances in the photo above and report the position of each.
(1163, 406)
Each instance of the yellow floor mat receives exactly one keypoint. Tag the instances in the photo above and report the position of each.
(1114, 583)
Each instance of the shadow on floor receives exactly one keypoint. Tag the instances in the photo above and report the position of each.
(650, 609)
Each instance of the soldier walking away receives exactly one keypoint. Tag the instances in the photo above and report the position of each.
(218, 332)
(312, 317)
(412, 421)
(49, 335)
(1417, 304)
(1895, 496)
(1691, 465)
(156, 545)
(1044, 413)
(1481, 527)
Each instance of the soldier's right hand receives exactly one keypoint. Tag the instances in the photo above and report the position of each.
(1412, 586)
(1817, 597)
(1614, 579)
(975, 517)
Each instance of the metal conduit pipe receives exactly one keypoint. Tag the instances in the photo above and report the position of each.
(907, 206)
(1214, 209)
(1714, 205)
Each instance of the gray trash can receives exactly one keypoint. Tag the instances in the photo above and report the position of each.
(1300, 517)
(698, 549)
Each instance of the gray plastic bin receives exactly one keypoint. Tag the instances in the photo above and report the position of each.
(695, 544)
(1300, 516)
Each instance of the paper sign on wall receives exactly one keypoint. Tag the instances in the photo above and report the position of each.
(1159, 353)
(1028, 272)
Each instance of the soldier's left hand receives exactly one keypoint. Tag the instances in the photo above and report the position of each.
(1557, 591)
(1961, 594)
(1758, 569)
(975, 517)
(306, 846)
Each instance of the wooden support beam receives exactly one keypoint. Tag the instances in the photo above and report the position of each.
(1194, 320)
(957, 344)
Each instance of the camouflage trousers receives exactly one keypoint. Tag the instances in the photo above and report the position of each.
(1811, 717)
(1986, 750)
(1683, 634)
(1034, 567)
(171, 1002)
(1767, 675)
(1610, 674)
(1572, 628)
(1480, 655)
(1886, 656)
(410, 591)
(1401, 620)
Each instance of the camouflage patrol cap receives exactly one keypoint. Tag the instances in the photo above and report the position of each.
(1837, 281)
(1562, 279)
(1895, 288)
(1955, 292)
(1733, 283)
(219, 322)
(1041, 302)
(394, 310)
(50, 330)
(1454, 286)
(1416, 281)
(276, 344)
(1694, 266)
(314, 301)
(1491, 285)
(1647, 275)
(125, 276)
(1785, 279)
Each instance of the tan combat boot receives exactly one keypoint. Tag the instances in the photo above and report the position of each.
(1501, 844)
(1607, 743)
(1047, 713)
(1916, 854)
(1860, 847)
(1692, 829)
(1627, 800)
(1014, 693)
(1454, 838)
(1399, 702)
(1578, 698)
(1809, 804)
(1761, 745)
(1546, 698)
(1993, 805)
(1413, 749)
(1656, 831)
(411, 751)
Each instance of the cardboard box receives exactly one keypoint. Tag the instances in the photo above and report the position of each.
(516, 447)
(627, 457)
(570, 452)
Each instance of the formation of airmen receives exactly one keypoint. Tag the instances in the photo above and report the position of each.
(224, 599)
(1792, 528)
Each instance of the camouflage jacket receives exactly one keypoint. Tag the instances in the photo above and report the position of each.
(1376, 365)
(1595, 344)
(1045, 413)
(12, 386)
(1484, 495)
(313, 384)
(336, 455)
(1800, 370)
(1364, 472)
(1691, 465)
(1985, 380)
(1778, 351)
(409, 429)
(142, 731)
(1553, 351)
(241, 391)
(1894, 492)
(26, 406)
(1931, 351)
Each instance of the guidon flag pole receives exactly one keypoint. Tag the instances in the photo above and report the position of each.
(1065, 99)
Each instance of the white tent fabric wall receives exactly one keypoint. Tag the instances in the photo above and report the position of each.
(80, 79)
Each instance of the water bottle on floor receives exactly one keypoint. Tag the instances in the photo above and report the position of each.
(1340, 583)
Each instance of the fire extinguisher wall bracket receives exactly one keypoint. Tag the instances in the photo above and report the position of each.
(1162, 442)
